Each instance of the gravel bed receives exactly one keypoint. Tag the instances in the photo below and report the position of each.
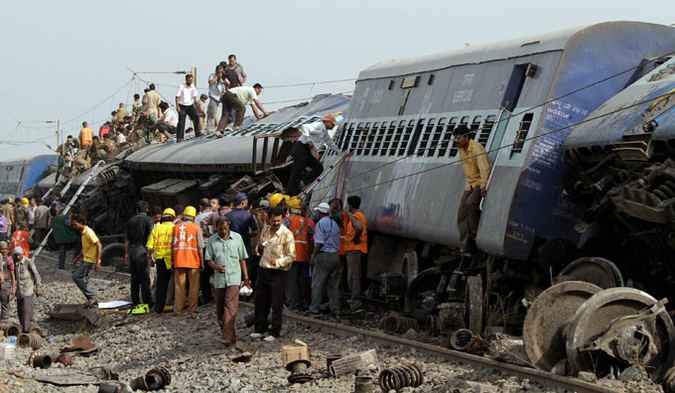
(188, 347)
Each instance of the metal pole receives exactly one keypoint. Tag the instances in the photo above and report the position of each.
(58, 134)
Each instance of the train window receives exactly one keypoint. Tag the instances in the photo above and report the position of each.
(405, 138)
(388, 135)
(374, 130)
(437, 137)
(486, 130)
(521, 135)
(410, 81)
(362, 133)
(400, 130)
(391, 85)
(425, 138)
(451, 139)
(370, 138)
(448, 141)
(431, 79)
(379, 138)
(465, 120)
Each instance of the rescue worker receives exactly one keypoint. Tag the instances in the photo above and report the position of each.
(159, 255)
(356, 246)
(299, 226)
(21, 238)
(477, 171)
(326, 261)
(136, 236)
(314, 137)
(188, 261)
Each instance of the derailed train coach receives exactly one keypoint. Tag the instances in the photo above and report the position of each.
(523, 98)
(253, 160)
(19, 175)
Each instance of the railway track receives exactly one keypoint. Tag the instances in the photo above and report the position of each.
(545, 378)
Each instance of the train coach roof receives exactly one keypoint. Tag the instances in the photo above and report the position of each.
(235, 148)
(519, 47)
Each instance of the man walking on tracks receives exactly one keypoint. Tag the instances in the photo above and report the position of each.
(135, 256)
(326, 261)
(276, 248)
(91, 259)
(477, 170)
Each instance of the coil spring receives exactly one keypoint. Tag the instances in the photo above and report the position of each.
(397, 378)
(461, 339)
(433, 324)
(669, 381)
(10, 329)
(32, 340)
(665, 190)
(398, 324)
(421, 315)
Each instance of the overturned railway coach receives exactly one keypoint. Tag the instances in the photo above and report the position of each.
(522, 97)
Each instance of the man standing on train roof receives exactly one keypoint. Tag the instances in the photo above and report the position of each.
(236, 99)
(186, 99)
(477, 170)
(237, 76)
(86, 136)
(314, 137)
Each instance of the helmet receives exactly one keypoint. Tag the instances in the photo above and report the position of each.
(275, 199)
(190, 211)
(10, 200)
(169, 212)
(294, 203)
(24, 200)
(287, 199)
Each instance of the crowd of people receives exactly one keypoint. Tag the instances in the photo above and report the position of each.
(180, 257)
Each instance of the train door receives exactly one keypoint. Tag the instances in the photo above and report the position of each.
(508, 104)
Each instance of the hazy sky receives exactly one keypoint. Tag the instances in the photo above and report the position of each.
(69, 60)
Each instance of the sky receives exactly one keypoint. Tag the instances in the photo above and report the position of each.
(76, 60)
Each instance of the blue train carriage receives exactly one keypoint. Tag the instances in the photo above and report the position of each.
(522, 96)
(20, 175)
(624, 175)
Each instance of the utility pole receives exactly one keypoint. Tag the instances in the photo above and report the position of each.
(58, 132)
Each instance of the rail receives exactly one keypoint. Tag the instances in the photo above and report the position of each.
(545, 378)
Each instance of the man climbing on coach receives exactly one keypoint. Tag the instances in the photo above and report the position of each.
(477, 170)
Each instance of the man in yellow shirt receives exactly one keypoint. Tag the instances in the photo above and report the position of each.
(477, 170)
(91, 259)
(159, 253)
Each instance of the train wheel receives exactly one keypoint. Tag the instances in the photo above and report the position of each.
(113, 255)
(619, 327)
(599, 271)
(547, 319)
(425, 282)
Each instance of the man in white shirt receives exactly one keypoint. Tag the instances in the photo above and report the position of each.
(166, 124)
(216, 89)
(186, 96)
(314, 137)
(237, 98)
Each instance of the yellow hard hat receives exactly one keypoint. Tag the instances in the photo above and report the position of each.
(11, 200)
(275, 199)
(169, 212)
(287, 199)
(24, 200)
(295, 203)
(190, 211)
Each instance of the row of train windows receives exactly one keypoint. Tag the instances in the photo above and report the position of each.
(431, 139)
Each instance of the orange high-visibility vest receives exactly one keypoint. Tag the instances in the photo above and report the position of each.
(20, 239)
(343, 232)
(349, 237)
(186, 246)
(299, 227)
